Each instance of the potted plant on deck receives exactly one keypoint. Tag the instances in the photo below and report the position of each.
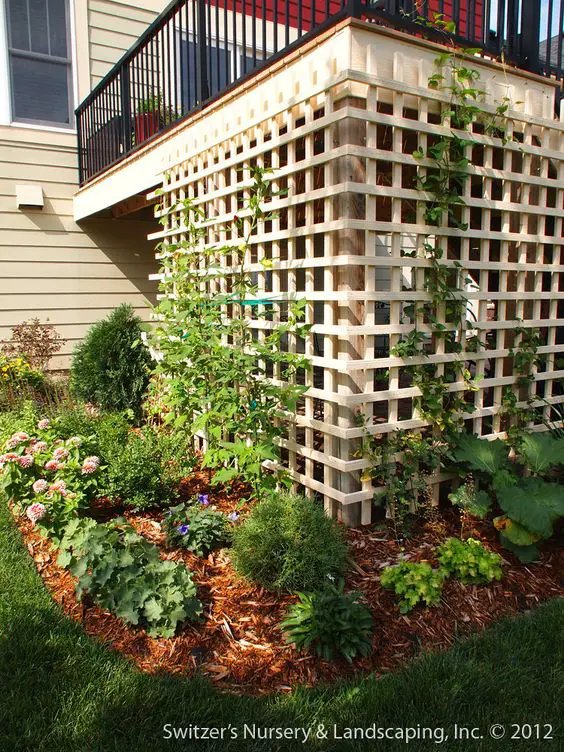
(152, 115)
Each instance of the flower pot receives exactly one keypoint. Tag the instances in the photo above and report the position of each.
(146, 125)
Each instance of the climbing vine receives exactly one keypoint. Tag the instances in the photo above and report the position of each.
(442, 318)
(526, 359)
(402, 465)
(442, 175)
(222, 380)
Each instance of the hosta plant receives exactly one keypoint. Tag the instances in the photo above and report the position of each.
(331, 622)
(469, 561)
(196, 527)
(414, 582)
(123, 573)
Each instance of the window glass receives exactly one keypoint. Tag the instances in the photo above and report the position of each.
(40, 67)
(40, 90)
(189, 64)
(58, 31)
(18, 24)
(38, 25)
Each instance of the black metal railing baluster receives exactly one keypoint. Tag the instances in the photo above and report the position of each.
(177, 63)
(264, 46)
(254, 32)
(226, 43)
(530, 37)
(201, 42)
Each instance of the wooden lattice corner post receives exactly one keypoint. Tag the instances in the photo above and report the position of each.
(339, 124)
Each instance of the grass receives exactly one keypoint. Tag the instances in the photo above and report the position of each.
(60, 690)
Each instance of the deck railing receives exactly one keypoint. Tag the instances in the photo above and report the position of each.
(197, 49)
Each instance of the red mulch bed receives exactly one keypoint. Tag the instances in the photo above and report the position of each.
(239, 646)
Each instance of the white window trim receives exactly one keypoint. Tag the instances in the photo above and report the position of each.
(5, 107)
(5, 98)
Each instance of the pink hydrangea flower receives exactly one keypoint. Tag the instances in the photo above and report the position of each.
(43, 424)
(40, 486)
(75, 441)
(92, 460)
(9, 457)
(26, 461)
(36, 512)
(91, 409)
(39, 446)
(59, 486)
(60, 453)
(16, 439)
(52, 465)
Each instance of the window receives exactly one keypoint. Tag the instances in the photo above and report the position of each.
(40, 62)
(219, 71)
(224, 65)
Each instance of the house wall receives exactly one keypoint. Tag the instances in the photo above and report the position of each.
(51, 267)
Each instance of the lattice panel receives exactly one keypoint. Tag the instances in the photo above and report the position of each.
(340, 241)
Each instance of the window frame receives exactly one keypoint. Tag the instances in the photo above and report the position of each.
(30, 55)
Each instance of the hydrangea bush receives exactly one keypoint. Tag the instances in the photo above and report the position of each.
(48, 478)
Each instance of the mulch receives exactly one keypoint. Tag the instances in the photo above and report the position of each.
(239, 646)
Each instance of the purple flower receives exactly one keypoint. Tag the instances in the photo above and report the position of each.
(204, 499)
(233, 516)
(183, 529)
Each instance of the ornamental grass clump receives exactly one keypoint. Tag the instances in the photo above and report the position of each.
(288, 543)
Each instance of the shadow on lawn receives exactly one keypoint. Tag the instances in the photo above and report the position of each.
(63, 691)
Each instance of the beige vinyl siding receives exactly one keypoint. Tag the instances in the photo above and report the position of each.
(50, 267)
(114, 27)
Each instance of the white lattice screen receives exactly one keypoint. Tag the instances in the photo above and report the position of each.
(344, 154)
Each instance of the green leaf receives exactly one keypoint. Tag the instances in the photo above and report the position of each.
(513, 531)
(525, 554)
(153, 610)
(541, 451)
(535, 504)
(480, 454)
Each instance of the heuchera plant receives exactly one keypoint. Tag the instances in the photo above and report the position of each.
(469, 560)
(414, 582)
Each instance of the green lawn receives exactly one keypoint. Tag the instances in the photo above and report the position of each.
(60, 691)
